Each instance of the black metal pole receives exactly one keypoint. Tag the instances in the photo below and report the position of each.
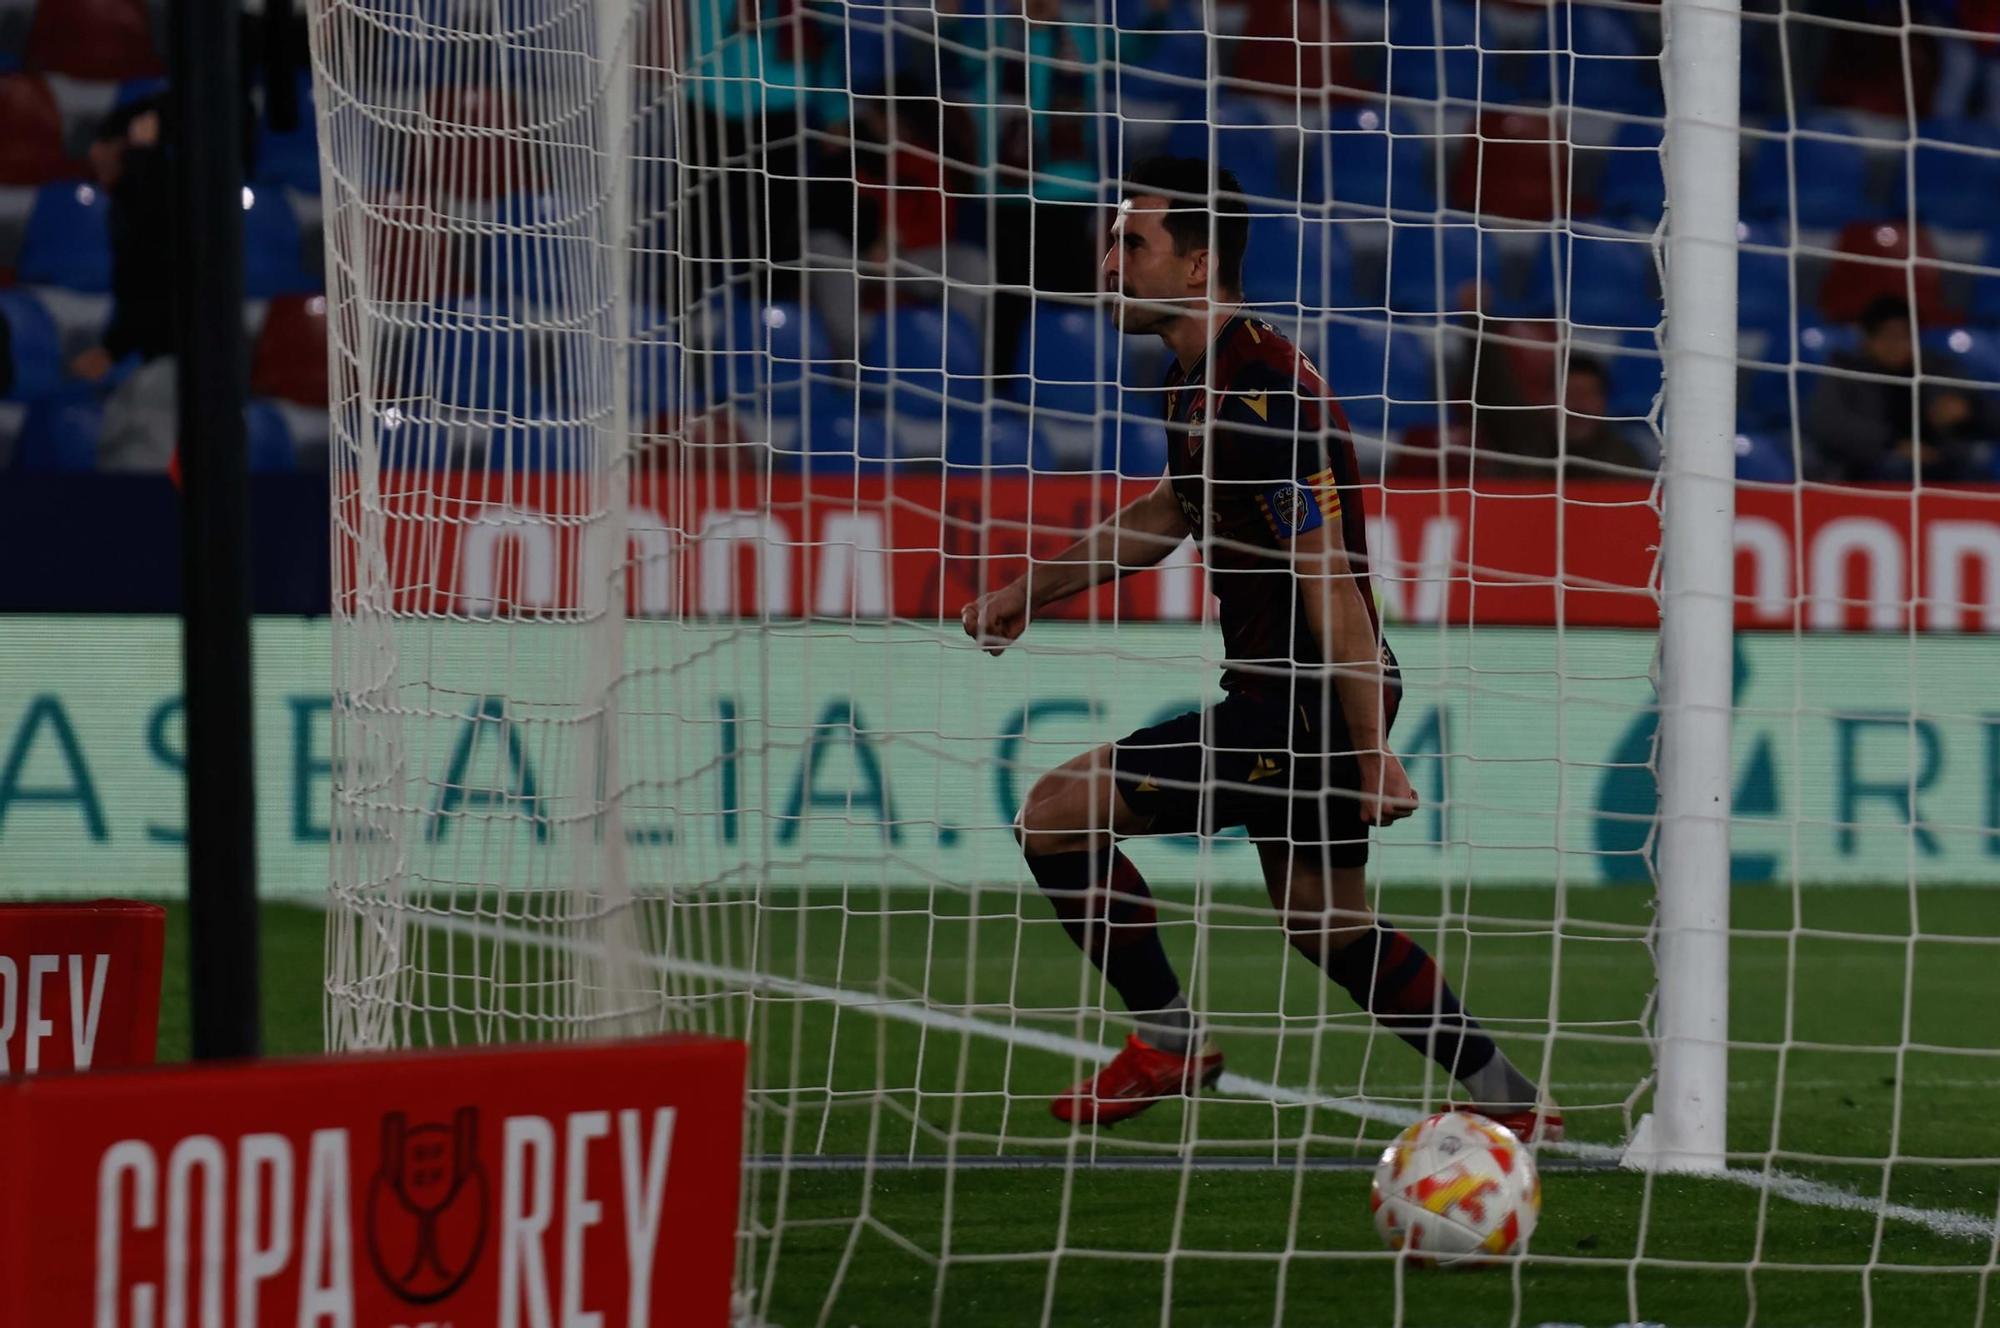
(206, 140)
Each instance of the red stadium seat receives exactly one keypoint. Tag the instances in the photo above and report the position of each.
(291, 351)
(104, 40)
(1877, 263)
(473, 148)
(31, 149)
(1287, 48)
(1516, 167)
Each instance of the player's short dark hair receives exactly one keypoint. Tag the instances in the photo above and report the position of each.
(1589, 366)
(1194, 195)
(1882, 311)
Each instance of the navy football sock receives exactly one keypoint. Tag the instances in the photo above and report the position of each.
(1108, 911)
(1393, 978)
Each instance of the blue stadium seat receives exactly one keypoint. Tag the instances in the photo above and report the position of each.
(1246, 143)
(1294, 265)
(269, 439)
(291, 159)
(1433, 54)
(1965, 352)
(1837, 174)
(1958, 173)
(68, 241)
(1612, 283)
(59, 437)
(1615, 66)
(1384, 376)
(1423, 282)
(849, 445)
(1067, 361)
(1636, 372)
(37, 346)
(1765, 458)
(1135, 436)
(916, 360)
(273, 247)
(1370, 160)
(1632, 188)
(1764, 278)
(472, 357)
(1004, 440)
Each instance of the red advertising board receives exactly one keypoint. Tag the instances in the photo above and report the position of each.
(918, 545)
(578, 1185)
(79, 985)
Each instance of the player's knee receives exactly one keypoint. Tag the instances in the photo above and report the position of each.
(1043, 825)
(1321, 934)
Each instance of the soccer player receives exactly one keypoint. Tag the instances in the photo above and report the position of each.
(1261, 469)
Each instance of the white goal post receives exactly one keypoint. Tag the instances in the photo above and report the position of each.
(694, 361)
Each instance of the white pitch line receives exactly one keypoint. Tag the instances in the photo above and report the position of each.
(1948, 1222)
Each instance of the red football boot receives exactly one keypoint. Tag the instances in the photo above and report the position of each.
(1538, 1126)
(1136, 1078)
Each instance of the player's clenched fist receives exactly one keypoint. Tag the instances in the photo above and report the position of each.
(1387, 795)
(996, 619)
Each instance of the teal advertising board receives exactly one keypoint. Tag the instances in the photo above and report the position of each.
(830, 754)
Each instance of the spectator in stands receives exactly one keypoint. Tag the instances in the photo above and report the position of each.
(128, 157)
(1869, 420)
(1593, 443)
(129, 163)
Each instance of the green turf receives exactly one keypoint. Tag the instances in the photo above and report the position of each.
(1823, 985)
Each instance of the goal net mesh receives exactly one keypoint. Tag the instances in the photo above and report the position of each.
(694, 362)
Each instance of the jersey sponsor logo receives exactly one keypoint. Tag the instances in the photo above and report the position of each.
(1290, 510)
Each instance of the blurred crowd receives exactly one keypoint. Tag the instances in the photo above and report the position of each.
(869, 232)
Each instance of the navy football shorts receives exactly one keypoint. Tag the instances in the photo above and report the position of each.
(1271, 764)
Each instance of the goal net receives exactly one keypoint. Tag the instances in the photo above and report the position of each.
(695, 362)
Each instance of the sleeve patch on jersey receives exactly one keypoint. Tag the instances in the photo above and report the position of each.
(1325, 492)
(1290, 510)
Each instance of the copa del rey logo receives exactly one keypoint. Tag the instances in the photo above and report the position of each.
(264, 1229)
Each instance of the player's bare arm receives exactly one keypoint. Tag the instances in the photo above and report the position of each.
(1137, 536)
(1339, 620)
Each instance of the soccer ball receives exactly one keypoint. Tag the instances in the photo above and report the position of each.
(1456, 1189)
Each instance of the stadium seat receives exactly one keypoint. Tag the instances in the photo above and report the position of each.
(1765, 458)
(1615, 62)
(1612, 282)
(1958, 173)
(291, 352)
(1384, 376)
(1433, 51)
(1432, 268)
(927, 357)
(36, 346)
(467, 356)
(31, 150)
(269, 439)
(848, 444)
(1135, 435)
(290, 159)
(1636, 371)
(1293, 265)
(1512, 168)
(1368, 159)
(1824, 175)
(68, 242)
(1877, 263)
(273, 248)
(59, 437)
(1969, 353)
(1250, 147)
(1764, 277)
(1005, 440)
(1289, 47)
(1632, 186)
(1067, 361)
(93, 39)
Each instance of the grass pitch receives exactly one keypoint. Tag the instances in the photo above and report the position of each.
(1865, 1068)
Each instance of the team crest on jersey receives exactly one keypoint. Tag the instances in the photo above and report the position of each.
(1290, 506)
